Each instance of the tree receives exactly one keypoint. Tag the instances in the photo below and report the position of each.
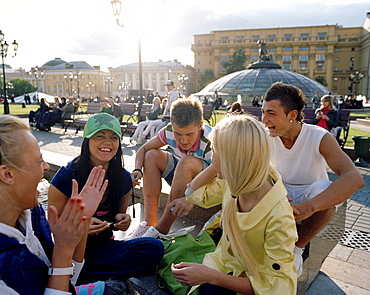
(321, 80)
(236, 63)
(20, 87)
(207, 77)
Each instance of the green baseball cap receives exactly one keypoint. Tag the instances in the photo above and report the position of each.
(100, 122)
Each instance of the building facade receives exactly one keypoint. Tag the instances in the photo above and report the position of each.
(78, 78)
(330, 53)
(155, 74)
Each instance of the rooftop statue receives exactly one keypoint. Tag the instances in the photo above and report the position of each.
(263, 54)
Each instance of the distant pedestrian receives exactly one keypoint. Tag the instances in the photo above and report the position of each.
(316, 100)
(217, 100)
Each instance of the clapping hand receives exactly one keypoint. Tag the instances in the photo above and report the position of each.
(69, 228)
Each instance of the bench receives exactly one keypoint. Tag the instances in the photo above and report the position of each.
(254, 111)
(128, 109)
(132, 122)
(344, 124)
(80, 119)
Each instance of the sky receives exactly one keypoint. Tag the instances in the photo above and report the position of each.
(86, 30)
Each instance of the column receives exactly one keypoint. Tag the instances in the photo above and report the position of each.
(329, 69)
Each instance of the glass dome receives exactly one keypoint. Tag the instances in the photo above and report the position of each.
(257, 78)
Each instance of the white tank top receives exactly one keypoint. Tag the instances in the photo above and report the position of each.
(302, 164)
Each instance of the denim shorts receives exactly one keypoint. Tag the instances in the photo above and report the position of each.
(172, 161)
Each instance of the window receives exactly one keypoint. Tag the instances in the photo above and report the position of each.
(239, 37)
(224, 50)
(239, 50)
(320, 57)
(271, 49)
(211, 62)
(287, 58)
(255, 37)
(303, 61)
(224, 38)
(336, 69)
(288, 35)
(254, 50)
(198, 53)
(210, 53)
(320, 66)
(198, 62)
(271, 36)
(302, 66)
(323, 34)
(337, 49)
(321, 48)
(337, 59)
(224, 59)
(286, 67)
(303, 48)
(320, 60)
(352, 49)
(305, 35)
(254, 59)
(287, 49)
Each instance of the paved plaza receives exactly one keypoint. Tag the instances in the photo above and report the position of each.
(345, 271)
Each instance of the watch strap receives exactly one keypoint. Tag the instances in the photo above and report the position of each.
(58, 271)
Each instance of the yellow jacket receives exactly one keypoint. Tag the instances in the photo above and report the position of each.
(269, 230)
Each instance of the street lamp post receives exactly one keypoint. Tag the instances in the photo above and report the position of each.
(124, 88)
(117, 5)
(36, 73)
(90, 85)
(109, 82)
(355, 77)
(4, 53)
(69, 79)
(77, 77)
(182, 80)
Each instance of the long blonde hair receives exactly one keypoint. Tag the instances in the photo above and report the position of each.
(10, 146)
(244, 150)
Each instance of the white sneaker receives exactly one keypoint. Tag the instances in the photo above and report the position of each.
(152, 232)
(138, 232)
(298, 261)
(133, 138)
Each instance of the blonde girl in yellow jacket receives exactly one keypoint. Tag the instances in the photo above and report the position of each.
(255, 253)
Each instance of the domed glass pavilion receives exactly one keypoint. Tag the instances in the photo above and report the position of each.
(257, 78)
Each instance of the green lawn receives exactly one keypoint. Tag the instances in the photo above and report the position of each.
(16, 109)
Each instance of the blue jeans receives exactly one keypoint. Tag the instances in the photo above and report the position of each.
(121, 260)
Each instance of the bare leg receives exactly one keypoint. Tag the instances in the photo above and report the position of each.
(154, 164)
(311, 226)
(187, 168)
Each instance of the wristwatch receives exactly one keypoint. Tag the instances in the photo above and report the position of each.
(65, 271)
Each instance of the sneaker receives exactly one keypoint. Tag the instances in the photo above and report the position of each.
(139, 141)
(298, 261)
(138, 232)
(133, 138)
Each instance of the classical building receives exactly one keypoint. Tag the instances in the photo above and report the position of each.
(155, 74)
(60, 78)
(330, 52)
